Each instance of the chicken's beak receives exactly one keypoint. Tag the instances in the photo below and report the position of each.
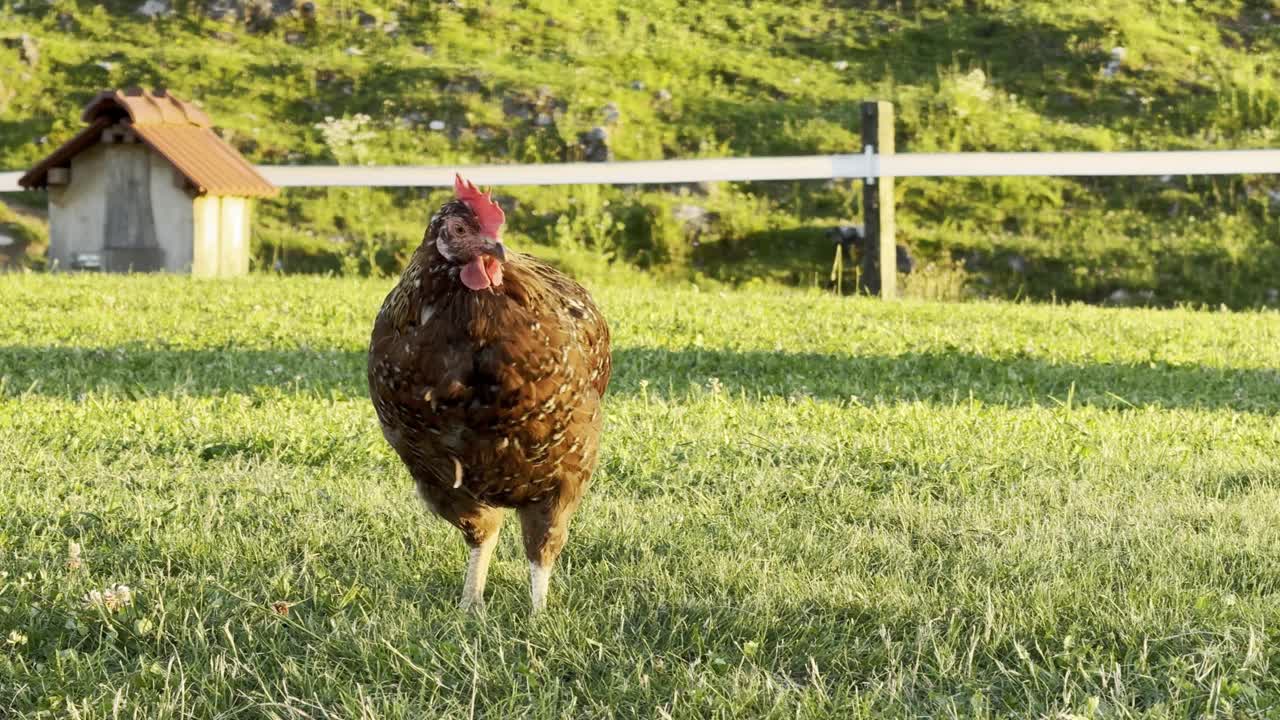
(497, 250)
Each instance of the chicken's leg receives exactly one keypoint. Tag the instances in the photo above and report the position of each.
(480, 527)
(477, 574)
(545, 528)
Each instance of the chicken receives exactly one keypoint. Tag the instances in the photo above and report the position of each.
(487, 369)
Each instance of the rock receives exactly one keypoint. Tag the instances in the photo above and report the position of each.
(637, 84)
(1273, 295)
(463, 85)
(906, 263)
(436, 125)
(391, 27)
(1119, 296)
(7, 240)
(840, 65)
(295, 38)
(1017, 264)
(694, 217)
(853, 237)
(663, 95)
(354, 51)
(847, 235)
(105, 65)
(365, 20)
(544, 120)
(594, 145)
(67, 22)
(515, 108)
(612, 114)
(1274, 197)
(222, 10)
(485, 134)
(154, 8)
(28, 49)
(427, 49)
(308, 10)
(1113, 65)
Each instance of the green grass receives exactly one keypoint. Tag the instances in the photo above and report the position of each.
(807, 506)
(762, 78)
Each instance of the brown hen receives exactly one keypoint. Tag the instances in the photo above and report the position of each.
(486, 368)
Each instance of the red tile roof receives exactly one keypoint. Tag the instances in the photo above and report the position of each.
(178, 130)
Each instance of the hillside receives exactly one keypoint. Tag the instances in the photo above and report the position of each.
(469, 81)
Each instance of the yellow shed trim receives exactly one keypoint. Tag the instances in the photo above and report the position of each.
(221, 236)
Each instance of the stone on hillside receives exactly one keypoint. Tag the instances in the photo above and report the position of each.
(1120, 297)
(663, 95)
(840, 65)
(436, 125)
(594, 144)
(222, 10)
(28, 49)
(612, 114)
(154, 8)
(637, 85)
(365, 19)
(295, 38)
(693, 217)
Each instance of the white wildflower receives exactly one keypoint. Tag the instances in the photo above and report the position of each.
(112, 599)
(73, 556)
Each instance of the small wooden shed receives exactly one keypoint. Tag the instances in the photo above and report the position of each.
(148, 186)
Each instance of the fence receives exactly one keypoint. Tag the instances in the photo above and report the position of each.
(878, 165)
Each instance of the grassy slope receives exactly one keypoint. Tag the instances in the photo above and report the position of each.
(807, 507)
(758, 79)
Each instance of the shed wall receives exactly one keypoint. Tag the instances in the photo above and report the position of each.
(77, 211)
(125, 203)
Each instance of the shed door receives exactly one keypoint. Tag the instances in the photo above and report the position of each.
(130, 239)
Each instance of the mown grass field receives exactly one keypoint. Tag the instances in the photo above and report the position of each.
(807, 507)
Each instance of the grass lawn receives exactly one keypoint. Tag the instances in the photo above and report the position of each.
(807, 507)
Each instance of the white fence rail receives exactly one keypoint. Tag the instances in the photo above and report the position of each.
(813, 167)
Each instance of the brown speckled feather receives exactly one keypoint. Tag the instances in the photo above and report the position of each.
(490, 397)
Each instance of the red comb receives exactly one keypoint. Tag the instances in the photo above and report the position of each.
(487, 211)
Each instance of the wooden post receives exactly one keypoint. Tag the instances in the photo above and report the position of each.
(880, 253)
